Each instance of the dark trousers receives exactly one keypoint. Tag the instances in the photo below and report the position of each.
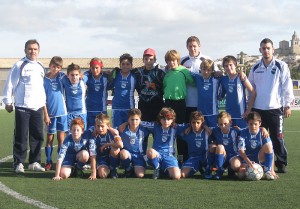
(28, 122)
(272, 120)
(180, 109)
(150, 110)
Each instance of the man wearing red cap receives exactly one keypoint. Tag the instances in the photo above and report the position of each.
(150, 86)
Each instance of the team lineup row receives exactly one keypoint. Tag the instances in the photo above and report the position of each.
(184, 89)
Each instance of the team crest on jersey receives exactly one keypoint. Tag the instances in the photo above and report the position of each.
(54, 86)
(198, 143)
(164, 138)
(123, 84)
(273, 71)
(230, 88)
(253, 144)
(132, 139)
(97, 86)
(206, 87)
(225, 141)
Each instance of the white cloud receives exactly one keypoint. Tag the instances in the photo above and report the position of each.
(109, 28)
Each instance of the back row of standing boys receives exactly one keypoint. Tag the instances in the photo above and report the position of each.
(191, 96)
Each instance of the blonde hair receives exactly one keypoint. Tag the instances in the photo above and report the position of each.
(222, 115)
(102, 119)
(172, 55)
(207, 64)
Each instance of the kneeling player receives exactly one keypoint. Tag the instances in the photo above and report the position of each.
(254, 147)
(73, 151)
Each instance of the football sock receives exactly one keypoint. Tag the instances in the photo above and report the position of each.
(114, 162)
(126, 164)
(48, 152)
(154, 162)
(268, 161)
(220, 162)
(210, 160)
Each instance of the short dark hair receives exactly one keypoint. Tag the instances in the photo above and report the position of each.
(133, 112)
(253, 116)
(229, 58)
(265, 41)
(31, 41)
(72, 67)
(126, 56)
(192, 39)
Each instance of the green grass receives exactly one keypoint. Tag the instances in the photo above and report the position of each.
(147, 193)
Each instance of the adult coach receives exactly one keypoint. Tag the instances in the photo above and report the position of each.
(273, 84)
(192, 62)
(25, 84)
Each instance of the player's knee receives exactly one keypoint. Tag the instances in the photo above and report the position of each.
(123, 155)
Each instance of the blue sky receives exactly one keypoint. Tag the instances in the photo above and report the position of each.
(89, 28)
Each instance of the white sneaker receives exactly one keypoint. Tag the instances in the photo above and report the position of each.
(36, 167)
(20, 168)
(269, 176)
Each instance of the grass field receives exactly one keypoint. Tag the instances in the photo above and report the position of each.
(148, 193)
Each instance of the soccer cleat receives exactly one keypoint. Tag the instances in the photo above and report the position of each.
(156, 174)
(48, 166)
(113, 173)
(86, 167)
(268, 176)
(128, 174)
(19, 168)
(79, 173)
(281, 168)
(208, 174)
(36, 167)
(217, 177)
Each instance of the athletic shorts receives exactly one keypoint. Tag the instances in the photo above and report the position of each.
(195, 163)
(119, 116)
(91, 116)
(73, 116)
(137, 160)
(69, 160)
(167, 161)
(102, 161)
(58, 124)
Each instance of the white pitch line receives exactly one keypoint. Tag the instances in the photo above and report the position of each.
(19, 196)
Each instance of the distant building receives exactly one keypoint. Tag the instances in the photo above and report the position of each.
(286, 50)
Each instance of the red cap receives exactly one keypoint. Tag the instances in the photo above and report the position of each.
(149, 51)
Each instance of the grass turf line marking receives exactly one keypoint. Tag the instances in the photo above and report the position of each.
(19, 196)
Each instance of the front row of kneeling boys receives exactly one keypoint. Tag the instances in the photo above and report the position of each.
(222, 147)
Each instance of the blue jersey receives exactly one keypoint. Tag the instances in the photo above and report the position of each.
(208, 90)
(75, 96)
(197, 142)
(251, 143)
(235, 96)
(163, 139)
(71, 148)
(55, 100)
(96, 96)
(135, 142)
(95, 143)
(123, 91)
(229, 140)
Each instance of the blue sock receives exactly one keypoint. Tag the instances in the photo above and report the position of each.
(48, 152)
(126, 164)
(210, 160)
(154, 162)
(220, 160)
(268, 161)
(114, 162)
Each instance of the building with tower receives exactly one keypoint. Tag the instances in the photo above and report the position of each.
(285, 49)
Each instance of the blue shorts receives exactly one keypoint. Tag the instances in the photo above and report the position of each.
(195, 163)
(102, 161)
(73, 116)
(240, 122)
(119, 116)
(211, 120)
(227, 160)
(58, 124)
(91, 116)
(137, 160)
(69, 160)
(167, 161)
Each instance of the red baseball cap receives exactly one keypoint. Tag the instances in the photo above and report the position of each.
(149, 51)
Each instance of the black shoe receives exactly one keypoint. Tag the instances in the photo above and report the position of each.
(128, 173)
(156, 174)
(281, 168)
(113, 173)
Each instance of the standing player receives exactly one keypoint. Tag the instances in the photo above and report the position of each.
(56, 108)
(254, 147)
(73, 152)
(274, 95)
(235, 89)
(161, 155)
(135, 140)
(124, 85)
(104, 148)
(96, 95)
(192, 62)
(149, 86)
(75, 91)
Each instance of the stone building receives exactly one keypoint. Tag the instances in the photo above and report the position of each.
(285, 49)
